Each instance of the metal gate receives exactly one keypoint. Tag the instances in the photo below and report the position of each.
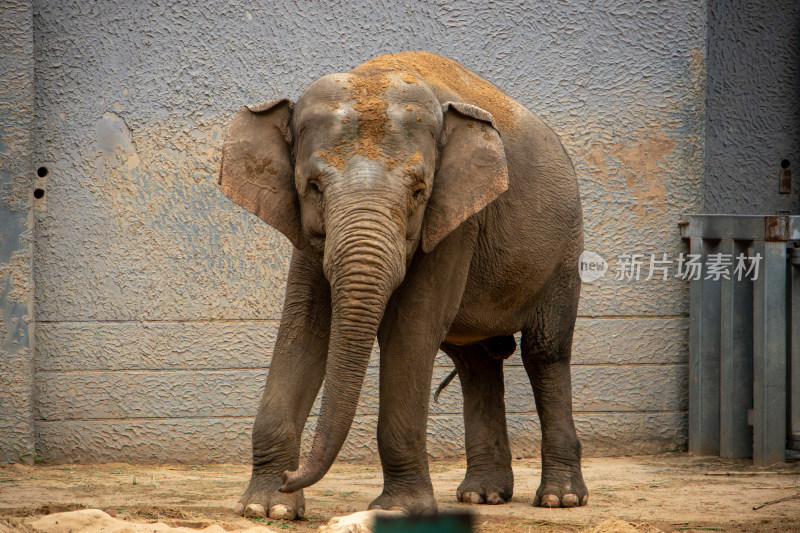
(744, 337)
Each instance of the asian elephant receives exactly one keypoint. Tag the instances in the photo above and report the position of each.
(431, 210)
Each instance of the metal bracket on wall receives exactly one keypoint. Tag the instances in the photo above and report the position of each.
(740, 348)
(785, 178)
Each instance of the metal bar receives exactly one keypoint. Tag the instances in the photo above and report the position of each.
(794, 339)
(736, 359)
(769, 354)
(742, 227)
(704, 334)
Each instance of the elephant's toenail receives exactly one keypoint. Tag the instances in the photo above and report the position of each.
(238, 508)
(494, 499)
(472, 497)
(569, 500)
(256, 510)
(281, 512)
(585, 499)
(549, 500)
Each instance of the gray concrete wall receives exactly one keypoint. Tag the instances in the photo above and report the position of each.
(753, 106)
(16, 178)
(157, 300)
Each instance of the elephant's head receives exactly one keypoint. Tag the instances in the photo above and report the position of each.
(362, 171)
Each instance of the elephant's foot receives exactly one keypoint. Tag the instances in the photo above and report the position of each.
(561, 488)
(491, 487)
(408, 500)
(263, 500)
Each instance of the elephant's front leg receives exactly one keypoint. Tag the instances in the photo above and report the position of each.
(295, 376)
(414, 325)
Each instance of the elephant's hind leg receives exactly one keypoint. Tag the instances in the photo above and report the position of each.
(489, 478)
(546, 351)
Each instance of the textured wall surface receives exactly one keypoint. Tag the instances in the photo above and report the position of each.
(152, 389)
(753, 106)
(16, 292)
(158, 300)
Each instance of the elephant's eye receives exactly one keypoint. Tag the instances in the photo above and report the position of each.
(313, 186)
(419, 194)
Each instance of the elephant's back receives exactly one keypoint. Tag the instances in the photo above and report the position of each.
(450, 81)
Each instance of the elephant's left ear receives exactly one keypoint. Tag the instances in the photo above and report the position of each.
(472, 171)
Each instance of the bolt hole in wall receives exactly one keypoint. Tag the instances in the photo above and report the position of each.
(38, 192)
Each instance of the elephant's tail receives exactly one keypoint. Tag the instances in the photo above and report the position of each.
(443, 385)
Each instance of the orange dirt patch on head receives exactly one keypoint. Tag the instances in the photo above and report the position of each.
(413, 161)
(408, 77)
(370, 104)
(416, 158)
(334, 156)
(450, 78)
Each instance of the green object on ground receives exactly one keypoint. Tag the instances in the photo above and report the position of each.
(440, 523)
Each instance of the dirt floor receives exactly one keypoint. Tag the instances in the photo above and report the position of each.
(673, 492)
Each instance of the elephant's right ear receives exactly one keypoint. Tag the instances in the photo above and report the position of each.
(257, 170)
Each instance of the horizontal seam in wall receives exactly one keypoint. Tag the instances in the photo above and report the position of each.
(165, 321)
(314, 417)
(676, 363)
(164, 370)
(664, 317)
(235, 320)
(254, 369)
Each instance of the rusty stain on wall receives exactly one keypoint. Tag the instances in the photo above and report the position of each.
(633, 171)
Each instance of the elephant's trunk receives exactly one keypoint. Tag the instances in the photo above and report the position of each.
(364, 261)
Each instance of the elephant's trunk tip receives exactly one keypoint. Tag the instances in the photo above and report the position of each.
(294, 480)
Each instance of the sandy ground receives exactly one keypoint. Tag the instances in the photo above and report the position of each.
(673, 492)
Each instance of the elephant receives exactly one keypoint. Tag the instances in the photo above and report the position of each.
(431, 211)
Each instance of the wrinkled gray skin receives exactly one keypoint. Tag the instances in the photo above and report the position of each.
(453, 227)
